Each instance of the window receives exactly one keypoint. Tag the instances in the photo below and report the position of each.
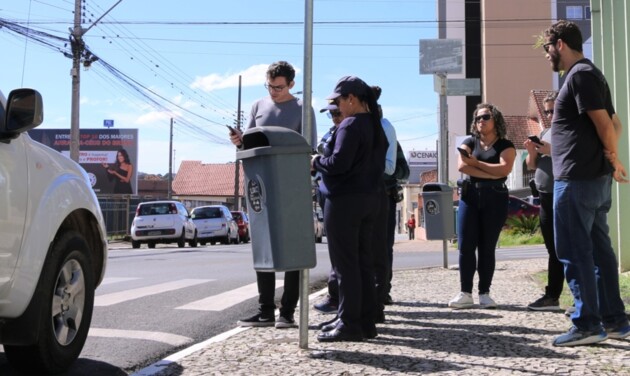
(574, 12)
(587, 13)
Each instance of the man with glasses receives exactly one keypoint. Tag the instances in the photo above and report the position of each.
(539, 160)
(584, 132)
(281, 109)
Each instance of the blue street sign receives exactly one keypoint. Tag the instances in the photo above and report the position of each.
(108, 123)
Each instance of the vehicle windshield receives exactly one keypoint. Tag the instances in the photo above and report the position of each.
(205, 213)
(156, 209)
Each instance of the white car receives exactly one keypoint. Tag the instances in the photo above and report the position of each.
(215, 224)
(53, 247)
(162, 222)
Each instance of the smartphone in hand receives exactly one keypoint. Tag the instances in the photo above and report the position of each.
(232, 130)
(463, 152)
(535, 139)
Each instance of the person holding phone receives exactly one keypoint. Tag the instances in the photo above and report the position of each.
(539, 160)
(483, 208)
(279, 108)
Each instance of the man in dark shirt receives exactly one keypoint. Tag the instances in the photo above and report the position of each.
(584, 134)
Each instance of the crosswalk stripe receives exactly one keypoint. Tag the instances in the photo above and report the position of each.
(110, 280)
(227, 299)
(171, 339)
(122, 296)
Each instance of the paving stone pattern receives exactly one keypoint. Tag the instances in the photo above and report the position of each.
(423, 336)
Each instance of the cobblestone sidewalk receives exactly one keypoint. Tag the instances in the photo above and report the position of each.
(423, 336)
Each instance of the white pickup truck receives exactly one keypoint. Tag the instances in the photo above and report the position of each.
(53, 244)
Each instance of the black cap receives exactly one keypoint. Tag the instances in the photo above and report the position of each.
(349, 85)
(330, 107)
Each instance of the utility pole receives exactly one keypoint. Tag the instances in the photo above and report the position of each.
(170, 163)
(79, 53)
(76, 43)
(237, 162)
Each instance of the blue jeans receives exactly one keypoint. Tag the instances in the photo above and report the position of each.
(480, 218)
(583, 246)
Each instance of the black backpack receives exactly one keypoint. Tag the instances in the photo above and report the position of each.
(402, 168)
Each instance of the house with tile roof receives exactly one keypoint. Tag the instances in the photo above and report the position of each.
(198, 183)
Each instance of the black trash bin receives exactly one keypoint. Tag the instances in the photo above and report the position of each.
(276, 162)
(437, 208)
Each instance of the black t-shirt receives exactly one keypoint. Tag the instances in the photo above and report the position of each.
(492, 155)
(577, 152)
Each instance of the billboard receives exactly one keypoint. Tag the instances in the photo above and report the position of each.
(99, 151)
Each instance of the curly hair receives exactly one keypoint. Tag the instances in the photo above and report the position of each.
(499, 121)
(568, 31)
(281, 69)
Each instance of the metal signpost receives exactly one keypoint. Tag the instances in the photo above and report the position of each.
(440, 57)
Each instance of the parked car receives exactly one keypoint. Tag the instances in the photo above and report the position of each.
(319, 227)
(242, 220)
(163, 222)
(215, 224)
(54, 247)
(518, 207)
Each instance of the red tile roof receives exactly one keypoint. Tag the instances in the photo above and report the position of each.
(519, 127)
(198, 179)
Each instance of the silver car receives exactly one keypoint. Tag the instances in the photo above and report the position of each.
(215, 224)
(162, 222)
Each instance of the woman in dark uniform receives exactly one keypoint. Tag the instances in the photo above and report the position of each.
(351, 179)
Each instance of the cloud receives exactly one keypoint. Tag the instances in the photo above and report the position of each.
(154, 116)
(254, 75)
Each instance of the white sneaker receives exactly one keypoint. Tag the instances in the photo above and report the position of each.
(485, 301)
(462, 300)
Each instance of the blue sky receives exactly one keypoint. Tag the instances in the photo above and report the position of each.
(190, 53)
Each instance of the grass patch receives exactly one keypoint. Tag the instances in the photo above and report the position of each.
(566, 299)
(509, 238)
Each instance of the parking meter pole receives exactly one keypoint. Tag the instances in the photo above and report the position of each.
(307, 127)
(304, 278)
(445, 253)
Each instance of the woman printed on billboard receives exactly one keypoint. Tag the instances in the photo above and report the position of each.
(122, 172)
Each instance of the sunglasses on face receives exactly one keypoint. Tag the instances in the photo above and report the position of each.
(277, 89)
(333, 114)
(485, 117)
(548, 112)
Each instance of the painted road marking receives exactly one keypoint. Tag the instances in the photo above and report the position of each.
(227, 299)
(123, 296)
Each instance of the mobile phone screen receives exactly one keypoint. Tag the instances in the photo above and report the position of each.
(535, 139)
(463, 152)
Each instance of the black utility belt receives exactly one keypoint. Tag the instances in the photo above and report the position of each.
(488, 184)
